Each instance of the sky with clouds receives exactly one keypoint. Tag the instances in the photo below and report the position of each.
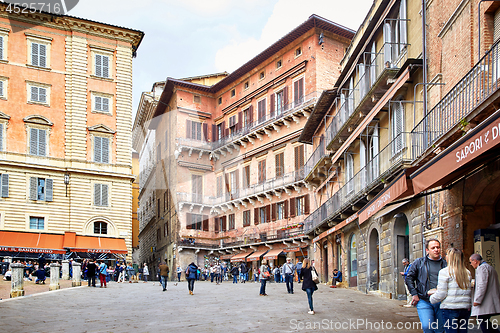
(186, 38)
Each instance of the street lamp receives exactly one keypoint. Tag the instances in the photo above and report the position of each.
(66, 182)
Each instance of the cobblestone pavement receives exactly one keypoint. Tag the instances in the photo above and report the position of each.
(143, 307)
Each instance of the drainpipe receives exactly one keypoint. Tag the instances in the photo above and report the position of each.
(424, 79)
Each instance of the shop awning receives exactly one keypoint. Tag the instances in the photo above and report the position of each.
(14, 241)
(400, 187)
(389, 209)
(226, 256)
(336, 228)
(241, 256)
(92, 244)
(273, 254)
(256, 255)
(294, 249)
(461, 157)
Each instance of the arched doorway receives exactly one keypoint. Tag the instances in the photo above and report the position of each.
(325, 261)
(402, 239)
(353, 262)
(373, 264)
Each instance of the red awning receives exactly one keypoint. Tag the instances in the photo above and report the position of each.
(94, 244)
(336, 228)
(273, 254)
(226, 256)
(459, 158)
(256, 255)
(15, 241)
(400, 187)
(241, 256)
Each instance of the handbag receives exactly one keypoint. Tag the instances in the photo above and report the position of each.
(314, 276)
(266, 275)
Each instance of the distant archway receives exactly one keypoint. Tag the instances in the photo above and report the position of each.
(402, 247)
(374, 261)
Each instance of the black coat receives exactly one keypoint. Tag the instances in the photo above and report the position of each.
(307, 282)
(417, 279)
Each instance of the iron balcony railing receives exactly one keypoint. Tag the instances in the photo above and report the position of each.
(316, 156)
(195, 198)
(389, 160)
(350, 99)
(472, 90)
(256, 237)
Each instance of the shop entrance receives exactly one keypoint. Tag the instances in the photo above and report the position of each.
(352, 262)
(402, 237)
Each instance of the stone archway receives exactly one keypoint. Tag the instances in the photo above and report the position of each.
(373, 261)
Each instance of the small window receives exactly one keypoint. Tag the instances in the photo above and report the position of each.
(280, 207)
(194, 222)
(231, 222)
(101, 195)
(233, 93)
(197, 99)
(37, 223)
(100, 228)
(41, 189)
(279, 63)
(101, 104)
(262, 75)
(101, 66)
(2, 89)
(246, 218)
(38, 95)
(298, 51)
(38, 54)
(246, 85)
(2, 47)
(219, 100)
(101, 149)
(38, 142)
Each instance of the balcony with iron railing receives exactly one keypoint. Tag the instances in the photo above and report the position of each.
(356, 102)
(316, 167)
(459, 104)
(397, 155)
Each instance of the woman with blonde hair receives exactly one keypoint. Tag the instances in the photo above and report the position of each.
(308, 285)
(263, 277)
(454, 292)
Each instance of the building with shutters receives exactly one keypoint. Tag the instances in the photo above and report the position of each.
(402, 154)
(65, 136)
(225, 173)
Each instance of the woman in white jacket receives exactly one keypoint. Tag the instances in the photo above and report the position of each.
(145, 272)
(454, 292)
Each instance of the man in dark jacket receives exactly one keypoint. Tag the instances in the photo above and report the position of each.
(244, 272)
(91, 268)
(191, 276)
(235, 272)
(422, 277)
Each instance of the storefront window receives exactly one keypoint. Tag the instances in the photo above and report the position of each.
(353, 256)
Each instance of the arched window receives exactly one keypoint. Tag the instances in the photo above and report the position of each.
(100, 228)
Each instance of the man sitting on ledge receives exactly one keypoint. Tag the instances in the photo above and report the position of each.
(337, 277)
(40, 276)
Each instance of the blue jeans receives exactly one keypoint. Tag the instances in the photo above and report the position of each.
(289, 282)
(235, 278)
(262, 287)
(310, 292)
(430, 317)
(298, 275)
(455, 321)
(163, 280)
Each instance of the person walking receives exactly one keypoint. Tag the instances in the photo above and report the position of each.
(308, 285)
(103, 271)
(422, 277)
(179, 271)
(404, 274)
(454, 292)
(263, 276)
(289, 270)
(91, 270)
(191, 276)
(164, 270)
(486, 301)
(235, 271)
(218, 272)
(145, 272)
(298, 267)
(244, 272)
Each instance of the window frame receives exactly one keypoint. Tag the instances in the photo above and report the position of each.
(94, 95)
(41, 40)
(298, 52)
(34, 189)
(38, 85)
(4, 49)
(100, 228)
(38, 218)
(5, 87)
(109, 145)
(247, 218)
(103, 52)
(108, 189)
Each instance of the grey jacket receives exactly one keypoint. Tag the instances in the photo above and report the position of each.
(486, 291)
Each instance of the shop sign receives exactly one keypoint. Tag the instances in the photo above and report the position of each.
(28, 250)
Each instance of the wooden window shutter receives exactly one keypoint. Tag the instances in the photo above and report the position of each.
(205, 131)
(301, 90)
(228, 185)
(306, 204)
(256, 216)
(296, 92)
(97, 194)
(224, 224)
(273, 212)
(285, 98)
(268, 213)
(296, 160)
(33, 188)
(105, 150)
(286, 209)
(250, 114)
(205, 223)
(240, 121)
(301, 156)
(104, 195)
(272, 106)
(292, 207)
(217, 224)
(188, 129)
(49, 190)
(5, 185)
(188, 221)
(214, 133)
(223, 131)
(237, 175)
